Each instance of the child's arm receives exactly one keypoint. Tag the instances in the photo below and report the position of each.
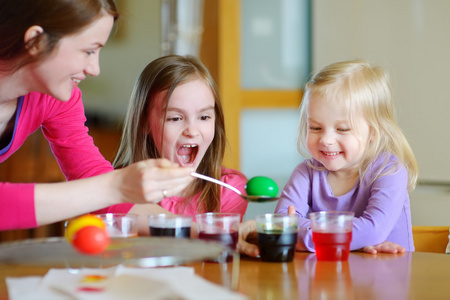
(384, 247)
(386, 216)
(296, 199)
(300, 245)
(247, 230)
(382, 208)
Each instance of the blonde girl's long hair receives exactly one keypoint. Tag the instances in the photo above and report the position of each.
(365, 91)
(163, 75)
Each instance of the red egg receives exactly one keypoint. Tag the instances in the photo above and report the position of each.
(90, 240)
(76, 224)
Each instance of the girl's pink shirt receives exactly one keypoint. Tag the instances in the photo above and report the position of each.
(230, 201)
(63, 125)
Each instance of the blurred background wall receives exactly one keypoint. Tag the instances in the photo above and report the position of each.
(261, 53)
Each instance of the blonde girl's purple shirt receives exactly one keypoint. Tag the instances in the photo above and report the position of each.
(382, 207)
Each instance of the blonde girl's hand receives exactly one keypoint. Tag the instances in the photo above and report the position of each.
(384, 247)
(291, 210)
(151, 180)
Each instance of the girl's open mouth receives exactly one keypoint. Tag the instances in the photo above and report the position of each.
(187, 154)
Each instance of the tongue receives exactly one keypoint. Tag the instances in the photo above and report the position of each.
(185, 154)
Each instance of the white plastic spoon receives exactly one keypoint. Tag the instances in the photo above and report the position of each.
(250, 198)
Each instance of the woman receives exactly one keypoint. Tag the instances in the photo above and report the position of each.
(46, 48)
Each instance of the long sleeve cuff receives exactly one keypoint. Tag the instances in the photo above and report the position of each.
(305, 234)
(17, 210)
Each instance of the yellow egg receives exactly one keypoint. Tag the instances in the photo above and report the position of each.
(76, 224)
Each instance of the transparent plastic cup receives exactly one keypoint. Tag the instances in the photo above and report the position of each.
(277, 236)
(219, 227)
(332, 234)
(176, 226)
(120, 225)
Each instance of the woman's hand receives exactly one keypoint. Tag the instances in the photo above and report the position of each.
(151, 180)
(148, 181)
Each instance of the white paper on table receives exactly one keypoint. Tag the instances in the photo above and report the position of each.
(118, 283)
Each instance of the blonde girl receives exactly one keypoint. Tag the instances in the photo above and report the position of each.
(356, 157)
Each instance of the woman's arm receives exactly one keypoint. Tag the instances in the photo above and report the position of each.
(142, 182)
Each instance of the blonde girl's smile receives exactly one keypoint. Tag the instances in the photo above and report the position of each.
(331, 154)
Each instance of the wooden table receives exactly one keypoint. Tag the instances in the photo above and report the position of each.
(416, 275)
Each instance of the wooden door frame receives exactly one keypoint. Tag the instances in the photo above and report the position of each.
(234, 99)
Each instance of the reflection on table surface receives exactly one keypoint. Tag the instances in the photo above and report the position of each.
(383, 276)
(364, 276)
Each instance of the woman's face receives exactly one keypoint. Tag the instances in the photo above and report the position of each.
(189, 124)
(73, 58)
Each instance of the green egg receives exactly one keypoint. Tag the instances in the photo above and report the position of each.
(261, 186)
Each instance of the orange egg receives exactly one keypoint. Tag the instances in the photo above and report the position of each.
(90, 240)
(80, 222)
